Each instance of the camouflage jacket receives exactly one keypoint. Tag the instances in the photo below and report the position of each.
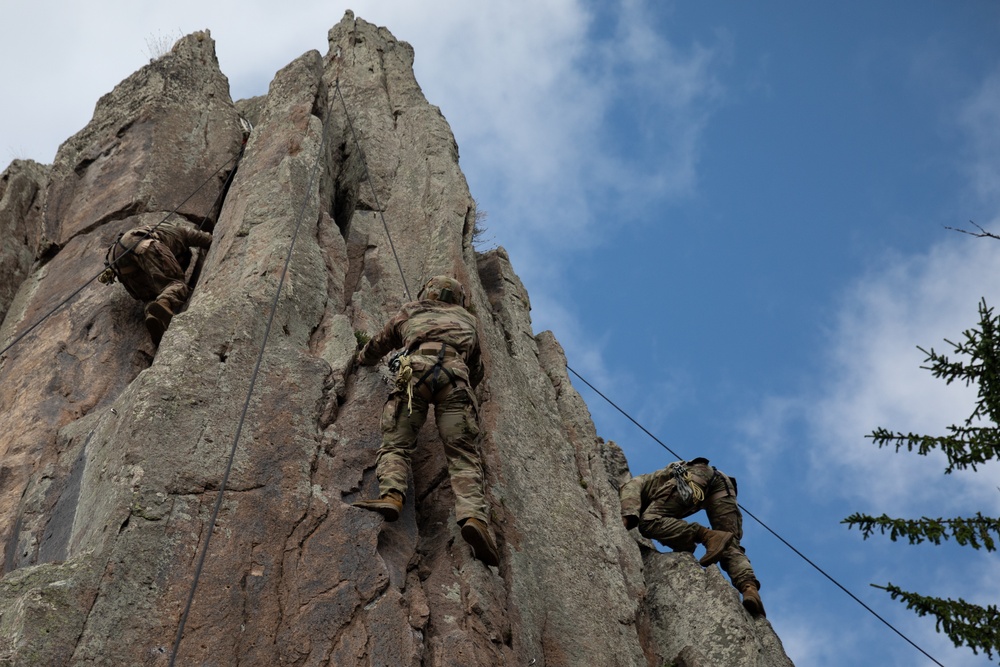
(178, 237)
(637, 493)
(420, 322)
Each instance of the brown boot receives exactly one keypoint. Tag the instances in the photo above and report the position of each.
(158, 316)
(751, 599)
(477, 535)
(715, 542)
(389, 505)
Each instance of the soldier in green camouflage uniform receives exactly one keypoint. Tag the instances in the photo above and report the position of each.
(441, 365)
(154, 269)
(658, 502)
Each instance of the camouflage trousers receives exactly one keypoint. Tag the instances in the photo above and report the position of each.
(456, 414)
(155, 275)
(663, 521)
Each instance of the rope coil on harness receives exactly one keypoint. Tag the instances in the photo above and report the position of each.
(687, 488)
(400, 365)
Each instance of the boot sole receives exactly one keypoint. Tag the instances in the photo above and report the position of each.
(389, 511)
(482, 545)
(753, 608)
(715, 556)
(156, 329)
(157, 320)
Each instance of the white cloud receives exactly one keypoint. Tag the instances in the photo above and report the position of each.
(811, 644)
(872, 373)
(527, 87)
(875, 380)
(531, 95)
(873, 376)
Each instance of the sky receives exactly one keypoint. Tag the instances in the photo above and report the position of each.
(734, 216)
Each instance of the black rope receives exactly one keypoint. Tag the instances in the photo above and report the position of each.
(17, 339)
(764, 525)
(246, 404)
(371, 184)
(225, 186)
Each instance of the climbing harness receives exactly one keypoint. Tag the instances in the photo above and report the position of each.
(438, 366)
(687, 488)
(114, 266)
(401, 365)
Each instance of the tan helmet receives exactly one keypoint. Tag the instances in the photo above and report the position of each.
(443, 288)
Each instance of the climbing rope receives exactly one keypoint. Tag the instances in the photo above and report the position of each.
(260, 356)
(765, 526)
(371, 184)
(246, 404)
(17, 339)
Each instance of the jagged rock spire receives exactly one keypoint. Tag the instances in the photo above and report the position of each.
(113, 451)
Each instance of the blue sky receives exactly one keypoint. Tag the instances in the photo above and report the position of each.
(731, 214)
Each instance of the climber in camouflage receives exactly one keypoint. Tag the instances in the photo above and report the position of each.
(658, 502)
(150, 262)
(440, 364)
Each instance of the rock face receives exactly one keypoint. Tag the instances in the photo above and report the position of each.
(113, 451)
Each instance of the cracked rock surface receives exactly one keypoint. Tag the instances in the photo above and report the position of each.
(112, 451)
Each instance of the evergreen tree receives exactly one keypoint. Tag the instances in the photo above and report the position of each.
(973, 443)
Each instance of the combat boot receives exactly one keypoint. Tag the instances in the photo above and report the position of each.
(477, 535)
(751, 599)
(389, 506)
(715, 542)
(158, 316)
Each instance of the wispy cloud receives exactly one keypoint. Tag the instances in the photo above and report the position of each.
(872, 375)
(532, 106)
(873, 378)
(980, 119)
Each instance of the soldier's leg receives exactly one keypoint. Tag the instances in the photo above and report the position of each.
(174, 295)
(400, 427)
(457, 420)
(662, 521)
(166, 276)
(457, 417)
(724, 514)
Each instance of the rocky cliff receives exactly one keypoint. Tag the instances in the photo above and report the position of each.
(113, 450)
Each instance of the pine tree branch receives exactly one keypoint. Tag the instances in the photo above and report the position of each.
(981, 234)
(974, 443)
(976, 532)
(967, 447)
(964, 623)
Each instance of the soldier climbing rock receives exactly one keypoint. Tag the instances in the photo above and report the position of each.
(657, 503)
(440, 364)
(150, 261)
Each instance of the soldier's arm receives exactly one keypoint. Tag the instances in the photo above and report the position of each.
(382, 343)
(631, 497)
(476, 369)
(195, 238)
